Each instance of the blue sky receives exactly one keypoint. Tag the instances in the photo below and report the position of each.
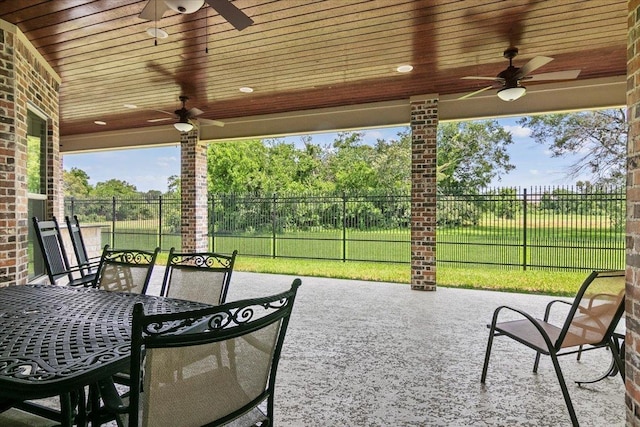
(149, 168)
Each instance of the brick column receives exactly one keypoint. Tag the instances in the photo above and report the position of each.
(194, 193)
(633, 217)
(424, 124)
(27, 82)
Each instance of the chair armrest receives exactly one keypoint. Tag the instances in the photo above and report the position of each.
(547, 310)
(75, 268)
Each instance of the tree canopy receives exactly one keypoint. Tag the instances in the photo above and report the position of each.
(472, 154)
(599, 138)
(76, 183)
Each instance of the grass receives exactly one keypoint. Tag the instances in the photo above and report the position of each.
(592, 252)
(559, 283)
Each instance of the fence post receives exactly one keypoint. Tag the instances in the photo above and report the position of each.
(273, 222)
(113, 221)
(73, 207)
(212, 222)
(160, 221)
(524, 230)
(344, 227)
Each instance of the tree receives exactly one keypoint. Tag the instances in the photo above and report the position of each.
(76, 183)
(236, 167)
(471, 154)
(598, 137)
(115, 187)
(173, 185)
(281, 167)
(311, 171)
(351, 163)
(392, 163)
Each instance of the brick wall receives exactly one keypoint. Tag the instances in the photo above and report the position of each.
(26, 82)
(424, 125)
(633, 218)
(194, 193)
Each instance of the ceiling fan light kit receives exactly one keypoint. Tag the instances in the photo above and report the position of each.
(183, 126)
(511, 93)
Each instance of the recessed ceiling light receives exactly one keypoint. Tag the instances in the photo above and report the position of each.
(130, 106)
(246, 89)
(157, 32)
(404, 68)
(100, 122)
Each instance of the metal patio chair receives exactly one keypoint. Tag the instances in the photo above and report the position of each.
(198, 276)
(87, 265)
(227, 383)
(589, 324)
(125, 270)
(56, 262)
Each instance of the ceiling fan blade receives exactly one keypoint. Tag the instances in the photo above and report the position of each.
(532, 65)
(163, 112)
(159, 120)
(211, 122)
(469, 95)
(195, 112)
(231, 13)
(498, 79)
(153, 10)
(558, 75)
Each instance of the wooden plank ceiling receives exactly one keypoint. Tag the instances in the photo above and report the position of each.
(301, 55)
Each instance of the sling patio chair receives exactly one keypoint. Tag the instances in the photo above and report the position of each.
(56, 262)
(125, 270)
(198, 276)
(589, 324)
(88, 265)
(169, 389)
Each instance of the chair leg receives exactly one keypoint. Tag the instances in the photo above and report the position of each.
(536, 363)
(487, 355)
(565, 391)
(618, 356)
(579, 354)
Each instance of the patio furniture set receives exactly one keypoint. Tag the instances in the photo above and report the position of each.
(112, 352)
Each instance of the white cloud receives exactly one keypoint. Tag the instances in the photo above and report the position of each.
(534, 171)
(164, 162)
(518, 131)
(372, 136)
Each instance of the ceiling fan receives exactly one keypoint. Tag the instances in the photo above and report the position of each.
(154, 9)
(185, 116)
(509, 80)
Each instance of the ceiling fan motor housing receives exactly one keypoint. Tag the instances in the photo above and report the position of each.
(510, 76)
(184, 6)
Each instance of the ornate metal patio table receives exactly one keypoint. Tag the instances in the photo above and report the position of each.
(54, 340)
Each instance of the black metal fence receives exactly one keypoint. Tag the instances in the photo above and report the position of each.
(538, 228)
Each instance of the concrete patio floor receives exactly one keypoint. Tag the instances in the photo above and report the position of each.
(376, 354)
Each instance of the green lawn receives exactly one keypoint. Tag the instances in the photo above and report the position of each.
(483, 245)
(544, 282)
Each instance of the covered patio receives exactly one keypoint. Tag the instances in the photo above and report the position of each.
(100, 82)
